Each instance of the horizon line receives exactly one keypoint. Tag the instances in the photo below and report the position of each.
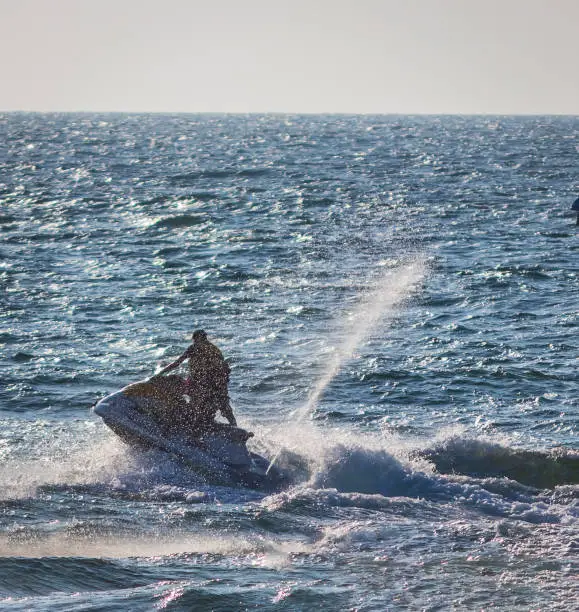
(290, 113)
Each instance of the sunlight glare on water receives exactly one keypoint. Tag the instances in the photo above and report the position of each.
(410, 284)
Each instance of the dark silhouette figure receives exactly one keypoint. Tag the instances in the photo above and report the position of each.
(575, 207)
(207, 384)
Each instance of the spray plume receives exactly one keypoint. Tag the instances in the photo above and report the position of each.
(387, 293)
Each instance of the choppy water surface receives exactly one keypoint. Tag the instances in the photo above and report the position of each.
(398, 298)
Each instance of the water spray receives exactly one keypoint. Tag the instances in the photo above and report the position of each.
(381, 302)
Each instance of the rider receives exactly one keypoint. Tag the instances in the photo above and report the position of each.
(207, 381)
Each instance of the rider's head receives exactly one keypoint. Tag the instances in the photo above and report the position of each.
(199, 335)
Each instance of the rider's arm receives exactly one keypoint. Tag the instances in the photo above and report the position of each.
(227, 412)
(174, 364)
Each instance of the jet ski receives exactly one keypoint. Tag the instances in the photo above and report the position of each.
(149, 415)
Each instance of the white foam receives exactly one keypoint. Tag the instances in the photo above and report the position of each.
(266, 551)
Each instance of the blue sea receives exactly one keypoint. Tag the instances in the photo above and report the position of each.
(398, 298)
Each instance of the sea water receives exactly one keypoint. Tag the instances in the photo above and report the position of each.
(398, 298)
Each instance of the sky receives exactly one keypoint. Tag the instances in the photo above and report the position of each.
(298, 56)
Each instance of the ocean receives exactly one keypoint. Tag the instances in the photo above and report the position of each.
(398, 299)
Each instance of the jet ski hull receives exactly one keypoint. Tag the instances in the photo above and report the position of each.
(220, 455)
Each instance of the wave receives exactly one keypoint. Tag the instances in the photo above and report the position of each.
(484, 459)
(378, 463)
(177, 221)
(379, 473)
(192, 178)
(356, 469)
(330, 468)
